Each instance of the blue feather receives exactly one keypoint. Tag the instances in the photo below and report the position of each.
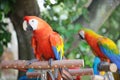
(95, 65)
(31, 70)
(115, 58)
(56, 53)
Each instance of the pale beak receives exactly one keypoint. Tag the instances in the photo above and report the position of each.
(81, 36)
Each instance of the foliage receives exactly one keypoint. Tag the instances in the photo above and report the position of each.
(5, 36)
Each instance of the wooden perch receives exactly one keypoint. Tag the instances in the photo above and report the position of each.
(21, 64)
(86, 71)
(105, 66)
(73, 72)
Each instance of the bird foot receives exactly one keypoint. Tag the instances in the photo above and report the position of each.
(56, 73)
(50, 62)
(51, 75)
(54, 77)
(31, 61)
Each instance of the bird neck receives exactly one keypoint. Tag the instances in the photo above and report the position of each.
(91, 37)
(44, 32)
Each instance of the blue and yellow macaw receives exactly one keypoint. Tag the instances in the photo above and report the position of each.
(102, 47)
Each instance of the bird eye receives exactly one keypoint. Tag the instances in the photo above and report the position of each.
(32, 20)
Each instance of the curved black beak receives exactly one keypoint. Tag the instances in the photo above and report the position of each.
(80, 36)
(29, 28)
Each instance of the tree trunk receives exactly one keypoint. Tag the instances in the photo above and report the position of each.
(98, 13)
(22, 8)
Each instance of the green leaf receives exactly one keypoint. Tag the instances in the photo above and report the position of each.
(8, 37)
(0, 15)
(6, 7)
(1, 49)
(1, 37)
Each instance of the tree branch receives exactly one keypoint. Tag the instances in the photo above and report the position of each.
(99, 11)
(22, 64)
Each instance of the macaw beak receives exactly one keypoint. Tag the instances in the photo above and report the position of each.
(27, 26)
(80, 36)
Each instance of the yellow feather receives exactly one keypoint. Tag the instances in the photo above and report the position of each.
(60, 48)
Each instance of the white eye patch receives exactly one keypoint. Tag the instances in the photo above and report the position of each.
(25, 25)
(33, 23)
(82, 33)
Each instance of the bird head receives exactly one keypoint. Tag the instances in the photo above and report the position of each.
(84, 33)
(30, 23)
(33, 23)
(81, 34)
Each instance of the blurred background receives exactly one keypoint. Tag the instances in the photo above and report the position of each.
(64, 16)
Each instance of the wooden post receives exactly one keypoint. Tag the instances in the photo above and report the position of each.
(105, 66)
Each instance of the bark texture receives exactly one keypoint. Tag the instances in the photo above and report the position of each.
(22, 8)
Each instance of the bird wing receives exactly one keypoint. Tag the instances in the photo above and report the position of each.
(109, 48)
(57, 45)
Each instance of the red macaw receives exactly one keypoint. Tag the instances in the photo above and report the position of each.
(102, 47)
(47, 44)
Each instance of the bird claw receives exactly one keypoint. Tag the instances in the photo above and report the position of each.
(55, 70)
(51, 75)
(56, 73)
(50, 62)
(31, 61)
